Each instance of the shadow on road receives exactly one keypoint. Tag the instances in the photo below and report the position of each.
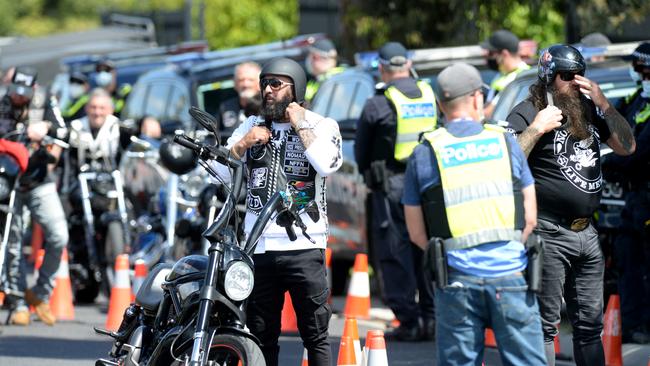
(52, 348)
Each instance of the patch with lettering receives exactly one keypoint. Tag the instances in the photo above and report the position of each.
(295, 162)
(578, 160)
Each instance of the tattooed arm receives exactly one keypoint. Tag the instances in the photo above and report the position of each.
(621, 139)
(546, 120)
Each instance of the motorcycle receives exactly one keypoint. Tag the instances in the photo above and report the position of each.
(99, 227)
(193, 312)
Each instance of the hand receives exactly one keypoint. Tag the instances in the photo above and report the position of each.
(592, 90)
(256, 135)
(36, 131)
(547, 119)
(295, 113)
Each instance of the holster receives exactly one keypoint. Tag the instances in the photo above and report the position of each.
(534, 251)
(377, 176)
(436, 262)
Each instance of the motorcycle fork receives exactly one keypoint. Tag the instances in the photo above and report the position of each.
(208, 292)
(89, 219)
(121, 206)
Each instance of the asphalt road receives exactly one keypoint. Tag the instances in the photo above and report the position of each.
(73, 343)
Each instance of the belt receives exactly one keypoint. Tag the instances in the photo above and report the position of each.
(577, 224)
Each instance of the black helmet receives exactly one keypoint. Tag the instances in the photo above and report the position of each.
(559, 58)
(178, 159)
(291, 69)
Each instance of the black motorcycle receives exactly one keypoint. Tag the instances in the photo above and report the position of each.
(193, 313)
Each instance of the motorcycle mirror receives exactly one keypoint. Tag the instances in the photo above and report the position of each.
(206, 120)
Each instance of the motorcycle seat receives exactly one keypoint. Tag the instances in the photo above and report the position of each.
(151, 292)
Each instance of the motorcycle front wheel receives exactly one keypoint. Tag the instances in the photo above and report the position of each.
(228, 350)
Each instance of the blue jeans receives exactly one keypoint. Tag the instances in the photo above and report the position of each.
(45, 208)
(470, 304)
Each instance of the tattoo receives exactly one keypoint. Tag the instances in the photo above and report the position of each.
(527, 140)
(620, 129)
(307, 136)
(336, 140)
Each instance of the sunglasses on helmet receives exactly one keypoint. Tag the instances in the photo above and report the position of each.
(275, 84)
(568, 76)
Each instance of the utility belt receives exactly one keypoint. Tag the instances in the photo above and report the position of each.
(436, 262)
(378, 176)
(573, 224)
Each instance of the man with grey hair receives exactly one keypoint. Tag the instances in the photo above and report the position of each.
(387, 133)
(463, 188)
(247, 103)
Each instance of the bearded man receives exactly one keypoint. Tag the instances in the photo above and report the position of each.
(285, 147)
(560, 127)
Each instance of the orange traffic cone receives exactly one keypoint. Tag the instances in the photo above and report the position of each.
(357, 304)
(36, 242)
(346, 352)
(140, 274)
(61, 299)
(612, 341)
(364, 353)
(289, 321)
(377, 351)
(351, 330)
(305, 358)
(2, 298)
(120, 293)
(328, 268)
(490, 341)
(38, 262)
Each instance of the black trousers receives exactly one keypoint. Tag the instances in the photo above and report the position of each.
(303, 274)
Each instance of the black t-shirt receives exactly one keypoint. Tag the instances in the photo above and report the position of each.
(567, 171)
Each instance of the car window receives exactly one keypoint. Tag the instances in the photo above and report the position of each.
(157, 98)
(342, 97)
(179, 104)
(135, 102)
(211, 95)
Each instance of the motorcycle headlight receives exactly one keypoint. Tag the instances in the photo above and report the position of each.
(238, 282)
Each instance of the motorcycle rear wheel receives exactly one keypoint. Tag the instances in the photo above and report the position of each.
(114, 245)
(229, 350)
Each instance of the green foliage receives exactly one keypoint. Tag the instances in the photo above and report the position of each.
(246, 22)
(8, 12)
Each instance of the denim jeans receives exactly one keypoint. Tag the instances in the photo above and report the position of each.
(470, 304)
(303, 274)
(45, 208)
(573, 268)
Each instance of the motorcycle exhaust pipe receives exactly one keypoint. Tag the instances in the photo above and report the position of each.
(103, 362)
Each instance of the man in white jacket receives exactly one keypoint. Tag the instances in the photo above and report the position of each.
(288, 145)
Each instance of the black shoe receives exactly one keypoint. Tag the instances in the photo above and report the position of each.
(404, 334)
(428, 329)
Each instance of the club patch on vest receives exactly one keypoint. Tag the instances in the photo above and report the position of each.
(471, 152)
(578, 160)
(258, 178)
(295, 161)
(418, 110)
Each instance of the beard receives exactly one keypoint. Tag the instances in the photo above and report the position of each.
(575, 112)
(275, 110)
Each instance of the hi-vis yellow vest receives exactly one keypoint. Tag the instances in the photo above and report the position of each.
(502, 80)
(477, 187)
(414, 116)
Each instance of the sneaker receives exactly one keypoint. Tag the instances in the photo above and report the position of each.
(41, 307)
(20, 317)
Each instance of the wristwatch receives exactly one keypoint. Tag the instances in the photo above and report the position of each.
(305, 125)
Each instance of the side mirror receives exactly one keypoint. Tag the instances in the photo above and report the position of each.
(206, 120)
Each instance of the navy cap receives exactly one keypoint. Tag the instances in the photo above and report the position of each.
(641, 54)
(595, 39)
(393, 53)
(502, 40)
(324, 47)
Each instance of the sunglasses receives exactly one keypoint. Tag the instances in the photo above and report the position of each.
(275, 84)
(568, 76)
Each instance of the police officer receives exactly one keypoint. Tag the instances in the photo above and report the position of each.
(469, 185)
(632, 245)
(321, 65)
(38, 192)
(78, 92)
(287, 145)
(387, 133)
(560, 127)
(502, 56)
(106, 78)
